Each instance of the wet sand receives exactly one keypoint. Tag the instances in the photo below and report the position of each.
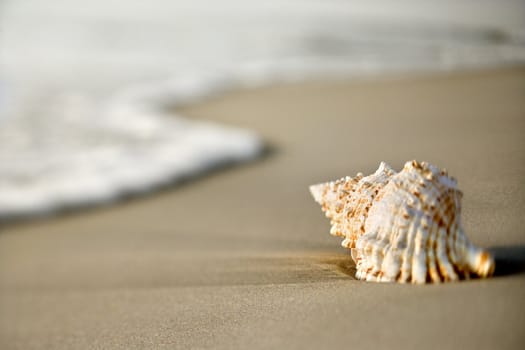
(242, 258)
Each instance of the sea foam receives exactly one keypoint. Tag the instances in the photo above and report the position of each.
(84, 151)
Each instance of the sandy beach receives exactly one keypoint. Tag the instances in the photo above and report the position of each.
(241, 258)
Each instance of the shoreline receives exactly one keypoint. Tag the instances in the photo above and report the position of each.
(361, 79)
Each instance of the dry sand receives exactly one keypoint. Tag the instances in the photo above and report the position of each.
(243, 259)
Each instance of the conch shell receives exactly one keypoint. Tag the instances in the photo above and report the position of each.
(403, 227)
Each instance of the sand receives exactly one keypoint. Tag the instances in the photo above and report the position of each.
(242, 258)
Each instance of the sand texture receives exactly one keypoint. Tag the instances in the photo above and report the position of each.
(242, 258)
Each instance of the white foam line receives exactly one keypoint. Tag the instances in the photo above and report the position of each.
(143, 146)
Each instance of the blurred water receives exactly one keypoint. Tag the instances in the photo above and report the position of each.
(85, 86)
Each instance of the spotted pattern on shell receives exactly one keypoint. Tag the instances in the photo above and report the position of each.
(403, 227)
